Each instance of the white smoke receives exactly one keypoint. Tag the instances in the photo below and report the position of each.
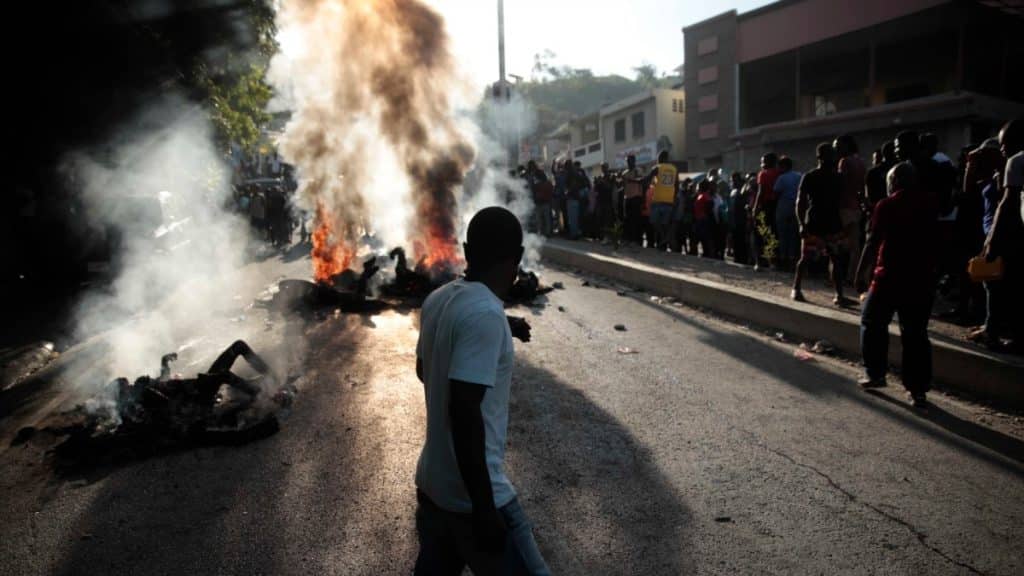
(158, 190)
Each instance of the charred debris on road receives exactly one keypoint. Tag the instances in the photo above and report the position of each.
(132, 420)
(349, 292)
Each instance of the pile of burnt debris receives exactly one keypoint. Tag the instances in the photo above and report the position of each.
(350, 292)
(153, 415)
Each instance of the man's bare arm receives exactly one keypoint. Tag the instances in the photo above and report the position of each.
(469, 440)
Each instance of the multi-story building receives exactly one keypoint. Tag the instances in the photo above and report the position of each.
(643, 125)
(797, 72)
(585, 141)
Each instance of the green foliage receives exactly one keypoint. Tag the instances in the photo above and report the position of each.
(236, 90)
(770, 243)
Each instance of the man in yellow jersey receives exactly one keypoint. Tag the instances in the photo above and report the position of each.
(663, 177)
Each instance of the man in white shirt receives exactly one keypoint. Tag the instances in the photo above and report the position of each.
(468, 513)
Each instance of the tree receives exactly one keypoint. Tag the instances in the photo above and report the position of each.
(236, 90)
(647, 75)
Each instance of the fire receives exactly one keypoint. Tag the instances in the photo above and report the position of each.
(330, 256)
(438, 253)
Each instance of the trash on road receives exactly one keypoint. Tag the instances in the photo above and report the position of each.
(620, 327)
(627, 350)
(823, 347)
(803, 355)
(558, 286)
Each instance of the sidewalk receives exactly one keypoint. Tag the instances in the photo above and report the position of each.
(762, 298)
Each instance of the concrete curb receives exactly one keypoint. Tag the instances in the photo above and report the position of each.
(996, 377)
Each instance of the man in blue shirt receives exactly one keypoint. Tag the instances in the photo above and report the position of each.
(786, 187)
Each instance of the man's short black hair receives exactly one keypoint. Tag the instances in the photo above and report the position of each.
(786, 163)
(663, 156)
(494, 235)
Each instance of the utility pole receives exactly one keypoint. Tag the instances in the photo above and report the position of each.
(501, 42)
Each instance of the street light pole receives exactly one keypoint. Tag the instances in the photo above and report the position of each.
(501, 42)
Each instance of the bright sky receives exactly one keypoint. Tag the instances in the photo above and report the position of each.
(605, 36)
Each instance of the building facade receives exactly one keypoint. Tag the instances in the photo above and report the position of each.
(643, 125)
(794, 73)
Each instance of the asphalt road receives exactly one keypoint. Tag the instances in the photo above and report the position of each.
(711, 450)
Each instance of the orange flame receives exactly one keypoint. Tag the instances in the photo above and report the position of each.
(438, 253)
(330, 256)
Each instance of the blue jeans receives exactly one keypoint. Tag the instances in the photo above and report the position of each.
(446, 543)
(914, 309)
(661, 219)
(789, 232)
(572, 209)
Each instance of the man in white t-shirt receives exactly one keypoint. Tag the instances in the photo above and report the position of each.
(1006, 241)
(468, 513)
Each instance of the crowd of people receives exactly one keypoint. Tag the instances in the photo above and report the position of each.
(262, 195)
(900, 231)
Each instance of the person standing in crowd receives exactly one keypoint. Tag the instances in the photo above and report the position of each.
(971, 227)
(543, 193)
(852, 173)
(258, 212)
(584, 188)
(738, 207)
(574, 186)
(560, 176)
(901, 249)
(604, 190)
(663, 180)
(821, 229)
(787, 186)
(703, 219)
(468, 512)
(633, 182)
(1005, 240)
(677, 239)
(874, 180)
(765, 202)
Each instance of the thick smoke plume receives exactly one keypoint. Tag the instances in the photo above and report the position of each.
(379, 146)
(157, 191)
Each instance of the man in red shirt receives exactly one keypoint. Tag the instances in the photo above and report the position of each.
(766, 199)
(852, 172)
(901, 245)
(703, 213)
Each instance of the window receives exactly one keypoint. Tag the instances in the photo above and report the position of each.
(707, 75)
(708, 131)
(708, 45)
(638, 124)
(824, 106)
(708, 103)
(675, 105)
(620, 130)
(595, 147)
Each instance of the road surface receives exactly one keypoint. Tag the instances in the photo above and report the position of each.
(711, 450)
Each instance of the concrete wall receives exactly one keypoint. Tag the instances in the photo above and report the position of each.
(710, 51)
(777, 29)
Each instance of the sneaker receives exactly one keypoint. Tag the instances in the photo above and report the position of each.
(842, 301)
(868, 383)
(918, 399)
(797, 296)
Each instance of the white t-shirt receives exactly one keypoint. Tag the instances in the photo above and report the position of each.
(1014, 176)
(464, 336)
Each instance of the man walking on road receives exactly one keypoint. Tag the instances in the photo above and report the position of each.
(468, 513)
(901, 248)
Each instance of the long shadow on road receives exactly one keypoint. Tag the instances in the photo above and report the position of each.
(598, 502)
(980, 442)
